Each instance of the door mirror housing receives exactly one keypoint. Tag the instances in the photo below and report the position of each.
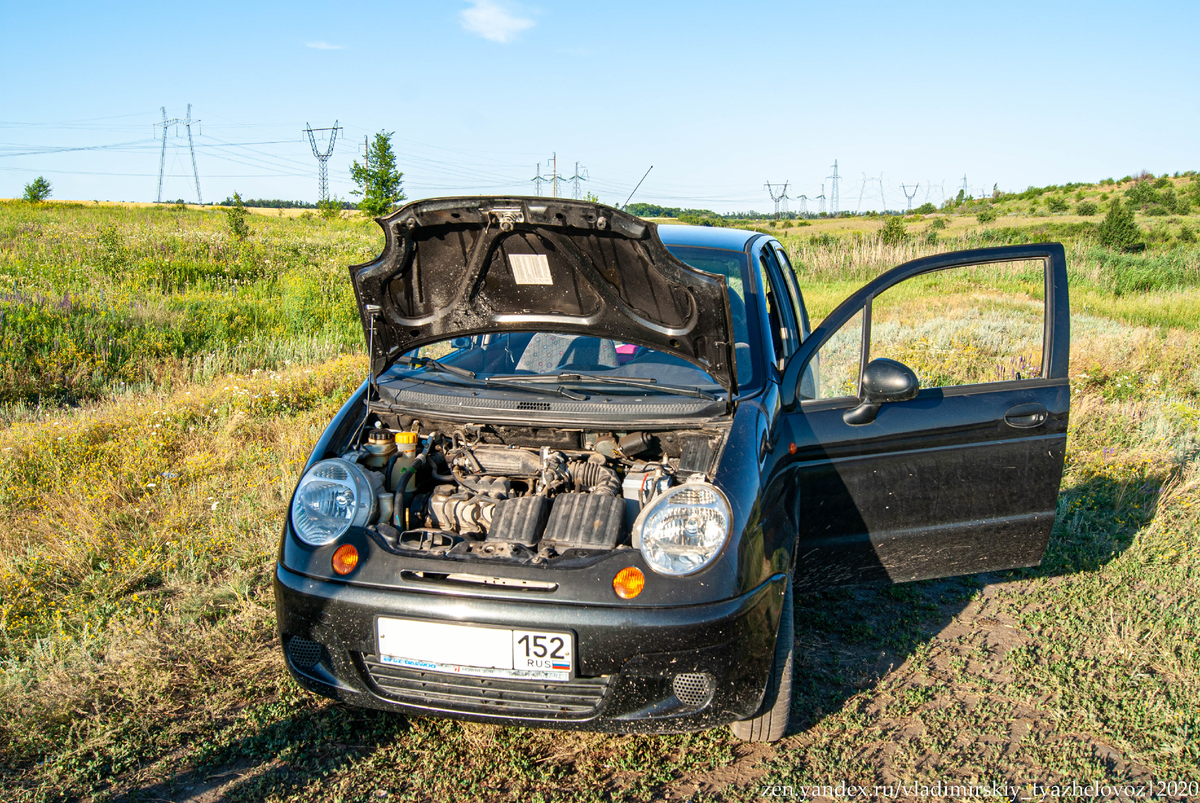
(883, 381)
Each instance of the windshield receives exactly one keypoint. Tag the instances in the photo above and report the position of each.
(532, 354)
(523, 355)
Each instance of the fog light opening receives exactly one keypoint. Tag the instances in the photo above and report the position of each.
(345, 559)
(629, 582)
(693, 689)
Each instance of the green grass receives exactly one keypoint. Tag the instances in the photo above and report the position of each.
(95, 299)
(138, 657)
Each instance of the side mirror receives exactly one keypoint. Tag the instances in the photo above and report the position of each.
(884, 381)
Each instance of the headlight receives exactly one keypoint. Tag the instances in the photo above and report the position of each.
(331, 497)
(682, 530)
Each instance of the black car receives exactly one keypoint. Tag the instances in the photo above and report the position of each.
(594, 456)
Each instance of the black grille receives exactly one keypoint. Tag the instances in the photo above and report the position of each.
(304, 653)
(575, 699)
(692, 688)
(533, 405)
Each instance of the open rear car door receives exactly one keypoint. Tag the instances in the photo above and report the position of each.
(925, 420)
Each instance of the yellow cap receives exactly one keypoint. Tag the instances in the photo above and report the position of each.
(406, 437)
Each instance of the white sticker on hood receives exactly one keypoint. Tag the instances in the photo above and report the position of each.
(530, 268)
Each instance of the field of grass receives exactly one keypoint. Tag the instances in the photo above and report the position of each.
(163, 383)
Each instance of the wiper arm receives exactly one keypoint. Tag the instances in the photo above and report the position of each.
(523, 383)
(628, 381)
(637, 382)
(430, 362)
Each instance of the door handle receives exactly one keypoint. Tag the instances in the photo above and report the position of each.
(1027, 416)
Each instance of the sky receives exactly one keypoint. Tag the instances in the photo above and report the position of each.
(720, 98)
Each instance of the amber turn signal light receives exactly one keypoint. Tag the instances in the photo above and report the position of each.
(345, 558)
(629, 582)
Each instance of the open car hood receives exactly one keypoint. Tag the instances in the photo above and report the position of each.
(453, 267)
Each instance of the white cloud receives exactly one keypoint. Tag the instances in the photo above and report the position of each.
(491, 20)
(319, 45)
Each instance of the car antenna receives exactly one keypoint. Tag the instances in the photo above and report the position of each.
(635, 189)
(373, 311)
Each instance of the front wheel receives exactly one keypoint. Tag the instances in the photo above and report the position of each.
(770, 725)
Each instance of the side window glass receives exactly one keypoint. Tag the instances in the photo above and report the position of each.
(789, 280)
(784, 334)
(835, 367)
(965, 326)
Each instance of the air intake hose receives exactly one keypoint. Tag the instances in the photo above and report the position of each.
(595, 478)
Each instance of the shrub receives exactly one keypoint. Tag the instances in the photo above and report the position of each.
(925, 209)
(1162, 182)
(37, 190)
(1087, 208)
(1143, 194)
(330, 208)
(986, 215)
(1056, 203)
(1118, 230)
(893, 232)
(1186, 235)
(235, 216)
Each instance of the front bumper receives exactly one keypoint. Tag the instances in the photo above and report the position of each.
(629, 659)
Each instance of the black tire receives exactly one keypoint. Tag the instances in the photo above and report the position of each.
(772, 722)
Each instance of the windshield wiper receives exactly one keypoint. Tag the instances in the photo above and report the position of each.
(628, 381)
(522, 383)
(430, 362)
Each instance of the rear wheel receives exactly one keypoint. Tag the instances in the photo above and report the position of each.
(772, 722)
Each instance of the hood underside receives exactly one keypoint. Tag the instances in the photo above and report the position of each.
(455, 267)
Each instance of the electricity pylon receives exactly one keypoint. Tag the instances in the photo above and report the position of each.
(780, 198)
(537, 181)
(575, 179)
(821, 200)
(323, 157)
(904, 189)
(803, 204)
(162, 159)
(833, 195)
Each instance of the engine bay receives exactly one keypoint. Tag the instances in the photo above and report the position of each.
(517, 493)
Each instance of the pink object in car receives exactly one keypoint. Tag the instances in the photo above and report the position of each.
(626, 352)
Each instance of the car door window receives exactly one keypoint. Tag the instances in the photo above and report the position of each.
(797, 298)
(964, 326)
(785, 335)
(836, 364)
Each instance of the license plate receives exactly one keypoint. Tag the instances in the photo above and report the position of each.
(477, 651)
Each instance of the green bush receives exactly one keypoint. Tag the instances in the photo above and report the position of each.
(1119, 231)
(893, 232)
(235, 217)
(986, 215)
(1186, 235)
(1087, 208)
(1056, 203)
(925, 209)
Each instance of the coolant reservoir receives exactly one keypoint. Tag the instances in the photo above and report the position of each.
(406, 453)
(379, 448)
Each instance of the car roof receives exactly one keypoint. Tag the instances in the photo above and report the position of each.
(706, 236)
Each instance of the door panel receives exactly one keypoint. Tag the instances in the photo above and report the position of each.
(939, 485)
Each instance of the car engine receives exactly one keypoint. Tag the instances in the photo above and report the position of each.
(457, 494)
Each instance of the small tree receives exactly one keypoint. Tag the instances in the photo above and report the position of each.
(378, 180)
(986, 215)
(235, 216)
(893, 232)
(1087, 208)
(330, 208)
(37, 190)
(1118, 230)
